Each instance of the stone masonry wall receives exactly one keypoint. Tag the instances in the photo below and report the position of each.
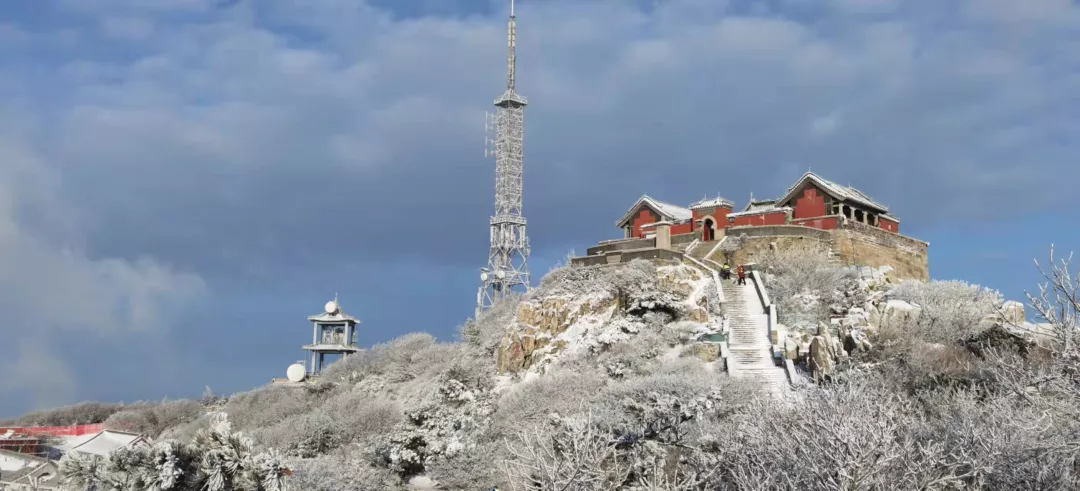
(866, 245)
(754, 248)
(853, 243)
(620, 245)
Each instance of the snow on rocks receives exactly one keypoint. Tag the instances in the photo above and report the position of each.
(588, 309)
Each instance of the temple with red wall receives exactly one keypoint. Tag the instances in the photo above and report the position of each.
(812, 202)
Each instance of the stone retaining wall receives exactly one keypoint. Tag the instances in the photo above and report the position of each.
(865, 245)
(778, 231)
(619, 257)
(853, 243)
(685, 239)
(621, 245)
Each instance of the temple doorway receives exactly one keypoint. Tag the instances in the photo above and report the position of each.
(707, 230)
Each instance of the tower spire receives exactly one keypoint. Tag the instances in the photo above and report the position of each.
(511, 57)
(508, 256)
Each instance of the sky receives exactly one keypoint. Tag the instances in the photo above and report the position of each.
(183, 182)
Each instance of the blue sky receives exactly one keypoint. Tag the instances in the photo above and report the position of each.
(182, 182)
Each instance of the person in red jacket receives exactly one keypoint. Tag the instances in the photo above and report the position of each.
(742, 275)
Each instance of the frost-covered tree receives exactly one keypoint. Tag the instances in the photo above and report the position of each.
(152, 419)
(488, 328)
(949, 310)
(1058, 303)
(803, 282)
(731, 245)
(216, 460)
(568, 453)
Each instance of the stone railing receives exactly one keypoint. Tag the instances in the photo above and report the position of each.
(766, 303)
(621, 245)
(771, 310)
(619, 257)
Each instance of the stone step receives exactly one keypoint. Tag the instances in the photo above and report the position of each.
(764, 359)
(754, 334)
(765, 372)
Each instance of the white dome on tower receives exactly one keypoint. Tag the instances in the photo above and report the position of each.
(332, 307)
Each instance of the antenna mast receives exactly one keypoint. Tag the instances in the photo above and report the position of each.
(507, 269)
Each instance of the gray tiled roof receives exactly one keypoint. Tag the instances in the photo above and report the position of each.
(668, 210)
(838, 190)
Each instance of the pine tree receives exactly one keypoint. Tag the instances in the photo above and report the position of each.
(216, 460)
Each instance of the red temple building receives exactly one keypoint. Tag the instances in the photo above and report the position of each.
(812, 201)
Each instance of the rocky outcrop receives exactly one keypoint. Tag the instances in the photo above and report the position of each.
(541, 321)
(706, 352)
(592, 307)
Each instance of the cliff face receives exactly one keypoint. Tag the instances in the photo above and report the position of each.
(587, 308)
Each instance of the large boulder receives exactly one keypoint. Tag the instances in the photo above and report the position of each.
(791, 348)
(997, 339)
(1012, 313)
(821, 359)
(857, 340)
(894, 313)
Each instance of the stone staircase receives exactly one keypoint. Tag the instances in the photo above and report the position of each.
(748, 339)
(702, 249)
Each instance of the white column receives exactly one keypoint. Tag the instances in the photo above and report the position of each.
(663, 236)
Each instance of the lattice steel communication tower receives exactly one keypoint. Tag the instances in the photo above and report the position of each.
(508, 260)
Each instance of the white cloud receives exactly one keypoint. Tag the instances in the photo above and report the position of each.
(52, 292)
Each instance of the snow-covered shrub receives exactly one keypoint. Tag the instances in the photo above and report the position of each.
(340, 471)
(216, 460)
(802, 281)
(1058, 304)
(184, 432)
(78, 414)
(867, 433)
(476, 468)
(630, 350)
(950, 310)
(266, 406)
(488, 328)
(398, 360)
(443, 418)
(151, 419)
(559, 390)
(350, 415)
(565, 452)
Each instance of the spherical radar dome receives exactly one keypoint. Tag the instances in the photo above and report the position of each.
(296, 372)
(331, 307)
